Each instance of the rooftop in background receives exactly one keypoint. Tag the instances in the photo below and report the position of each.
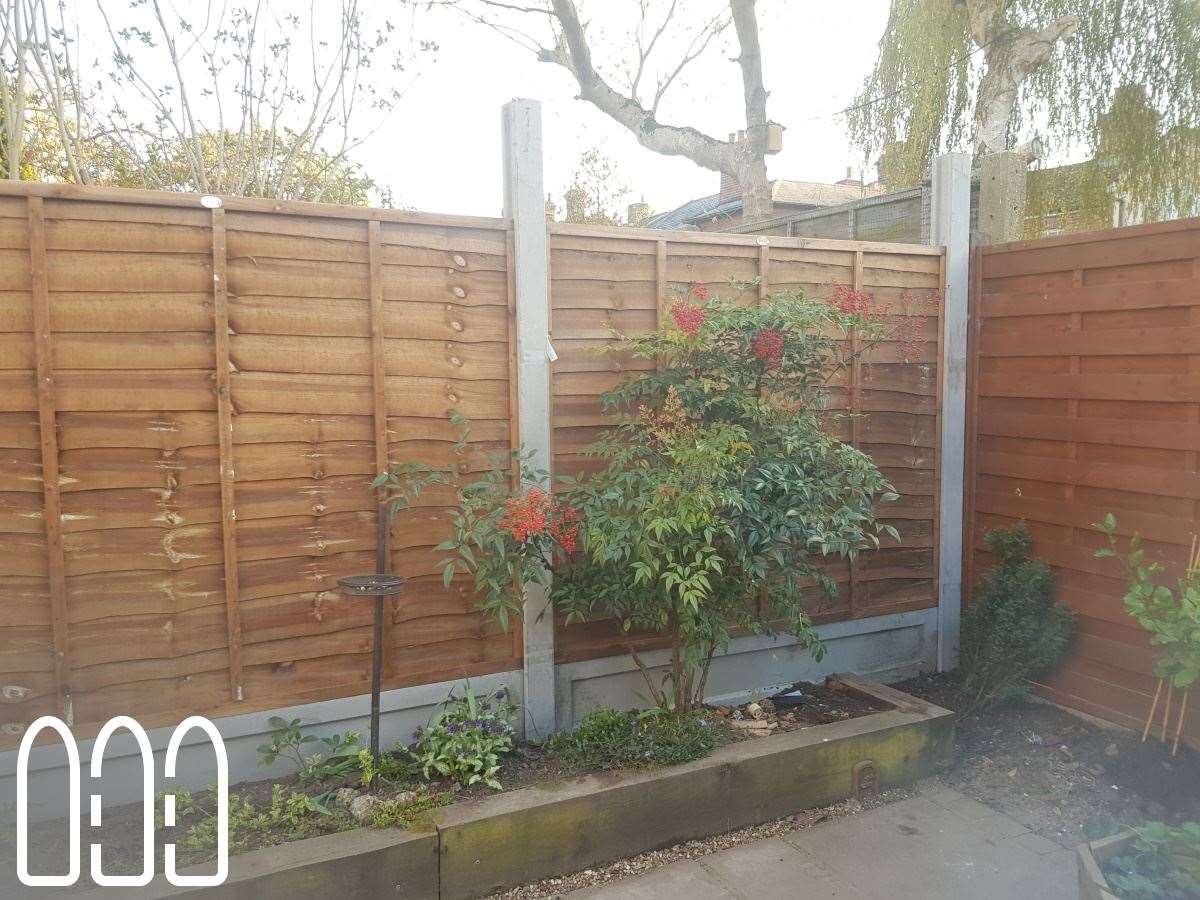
(721, 210)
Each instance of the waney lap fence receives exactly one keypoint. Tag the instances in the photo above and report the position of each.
(193, 403)
(626, 279)
(1086, 400)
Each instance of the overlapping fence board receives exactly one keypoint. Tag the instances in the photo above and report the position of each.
(605, 279)
(141, 342)
(1086, 394)
(219, 386)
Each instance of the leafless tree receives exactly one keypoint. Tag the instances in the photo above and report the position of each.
(38, 76)
(260, 100)
(556, 32)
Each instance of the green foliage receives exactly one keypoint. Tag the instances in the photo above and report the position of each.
(1163, 865)
(1012, 631)
(607, 739)
(1172, 618)
(920, 98)
(338, 756)
(718, 492)
(721, 488)
(393, 813)
(390, 768)
(290, 816)
(466, 738)
(481, 545)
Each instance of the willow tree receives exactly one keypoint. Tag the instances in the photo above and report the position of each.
(994, 72)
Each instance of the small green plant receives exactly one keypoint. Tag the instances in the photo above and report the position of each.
(1164, 864)
(608, 739)
(400, 812)
(338, 756)
(1172, 618)
(1013, 631)
(390, 768)
(466, 738)
(290, 816)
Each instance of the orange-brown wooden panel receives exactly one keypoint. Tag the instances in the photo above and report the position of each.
(1087, 401)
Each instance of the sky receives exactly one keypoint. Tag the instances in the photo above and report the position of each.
(440, 150)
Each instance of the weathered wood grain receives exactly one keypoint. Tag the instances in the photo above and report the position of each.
(1086, 402)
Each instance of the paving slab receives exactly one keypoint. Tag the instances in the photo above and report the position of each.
(940, 845)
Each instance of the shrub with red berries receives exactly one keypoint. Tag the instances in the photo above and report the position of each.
(768, 346)
(850, 301)
(537, 516)
(716, 496)
(688, 318)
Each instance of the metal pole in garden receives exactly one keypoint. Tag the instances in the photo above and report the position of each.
(379, 586)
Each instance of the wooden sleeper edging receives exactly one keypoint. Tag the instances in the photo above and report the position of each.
(567, 826)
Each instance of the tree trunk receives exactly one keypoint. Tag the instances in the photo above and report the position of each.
(1011, 55)
(745, 160)
(756, 191)
(752, 177)
(678, 682)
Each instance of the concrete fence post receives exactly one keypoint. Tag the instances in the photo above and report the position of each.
(1002, 194)
(525, 205)
(950, 226)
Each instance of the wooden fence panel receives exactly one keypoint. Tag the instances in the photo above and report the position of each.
(626, 279)
(193, 403)
(1086, 400)
(223, 386)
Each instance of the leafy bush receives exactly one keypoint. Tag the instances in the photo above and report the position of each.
(466, 738)
(719, 491)
(1163, 865)
(339, 754)
(1012, 631)
(1171, 618)
(607, 739)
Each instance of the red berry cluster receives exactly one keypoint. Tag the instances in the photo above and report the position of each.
(689, 318)
(565, 529)
(768, 346)
(700, 292)
(910, 325)
(850, 301)
(526, 516)
(537, 514)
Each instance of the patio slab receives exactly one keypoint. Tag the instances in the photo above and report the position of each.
(940, 845)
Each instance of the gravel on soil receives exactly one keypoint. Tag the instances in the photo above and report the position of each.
(644, 862)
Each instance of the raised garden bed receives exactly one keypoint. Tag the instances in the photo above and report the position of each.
(481, 844)
(1092, 857)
